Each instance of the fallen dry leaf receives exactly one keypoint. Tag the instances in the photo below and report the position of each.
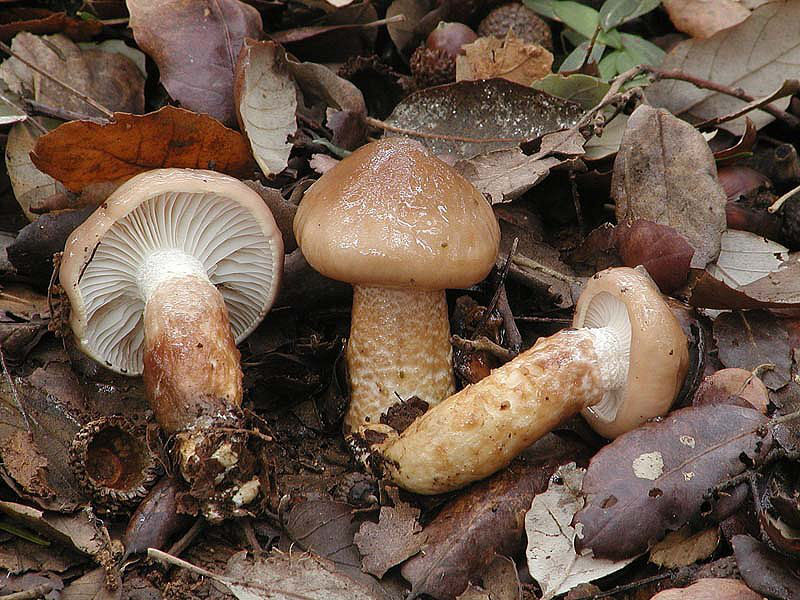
(266, 103)
(745, 257)
(665, 173)
(710, 589)
(552, 560)
(110, 78)
(656, 476)
(764, 570)
(766, 50)
(19, 556)
(395, 537)
(776, 290)
(510, 58)
(94, 586)
(701, 18)
(487, 519)
(79, 153)
(499, 581)
(682, 548)
(489, 115)
(29, 183)
(195, 44)
(749, 339)
(409, 31)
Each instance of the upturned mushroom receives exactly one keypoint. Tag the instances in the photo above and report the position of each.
(623, 364)
(164, 279)
(401, 226)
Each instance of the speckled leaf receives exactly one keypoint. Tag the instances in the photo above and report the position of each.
(752, 338)
(756, 55)
(665, 173)
(652, 480)
(266, 102)
(495, 113)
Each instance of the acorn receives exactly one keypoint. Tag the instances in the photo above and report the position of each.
(434, 62)
(526, 24)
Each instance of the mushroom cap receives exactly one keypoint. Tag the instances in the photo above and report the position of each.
(392, 215)
(659, 355)
(219, 224)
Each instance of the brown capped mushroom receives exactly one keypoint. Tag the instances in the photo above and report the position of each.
(623, 365)
(401, 226)
(164, 279)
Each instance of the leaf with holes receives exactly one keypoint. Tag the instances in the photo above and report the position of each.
(652, 480)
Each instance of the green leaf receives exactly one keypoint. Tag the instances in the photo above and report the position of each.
(608, 66)
(616, 12)
(542, 7)
(583, 89)
(579, 17)
(639, 51)
(577, 57)
(610, 38)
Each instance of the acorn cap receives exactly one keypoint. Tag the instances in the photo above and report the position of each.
(392, 215)
(160, 224)
(527, 25)
(627, 302)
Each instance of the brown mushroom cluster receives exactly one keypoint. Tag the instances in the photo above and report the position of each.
(178, 266)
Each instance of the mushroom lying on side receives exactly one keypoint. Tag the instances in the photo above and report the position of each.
(623, 365)
(164, 279)
(401, 226)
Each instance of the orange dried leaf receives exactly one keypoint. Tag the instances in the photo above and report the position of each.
(79, 153)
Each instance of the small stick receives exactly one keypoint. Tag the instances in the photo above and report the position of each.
(77, 93)
(512, 331)
(626, 587)
(61, 113)
(482, 344)
(524, 261)
(37, 591)
(34, 122)
(178, 547)
(776, 206)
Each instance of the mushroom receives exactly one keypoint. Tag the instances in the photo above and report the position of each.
(164, 279)
(625, 363)
(401, 226)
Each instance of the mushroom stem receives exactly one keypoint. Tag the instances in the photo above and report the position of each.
(480, 430)
(191, 363)
(399, 347)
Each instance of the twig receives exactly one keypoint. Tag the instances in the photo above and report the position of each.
(625, 587)
(77, 93)
(378, 124)
(524, 261)
(178, 547)
(512, 331)
(500, 281)
(250, 535)
(61, 113)
(37, 591)
(789, 88)
(576, 201)
(776, 206)
(544, 319)
(739, 93)
(35, 123)
(482, 344)
(254, 432)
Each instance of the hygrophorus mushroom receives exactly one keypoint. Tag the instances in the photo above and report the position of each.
(623, 364)
(164, 279)
(401, 226)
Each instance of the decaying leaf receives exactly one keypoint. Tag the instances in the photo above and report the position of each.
(395, 537)
(665, 173)
(487, 519)
(94, 585)
(406, 33)
(80, 531)
(702, 19)
(745, 257)
(766, 49)
(278, 576)
(511, 59)
(711, 589)
(779, 289)
(195, 44)
(749, 339)
(18, 556)
(586, 90)
(29, 183)
(80, 153)
(552, 560)
(346, 108)
(682, 548)
(765, 570)
(499, 581)
(483, 116)
(504, 175)
(11, 106)
(266, 103)
(656, 475)
(110, 78)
